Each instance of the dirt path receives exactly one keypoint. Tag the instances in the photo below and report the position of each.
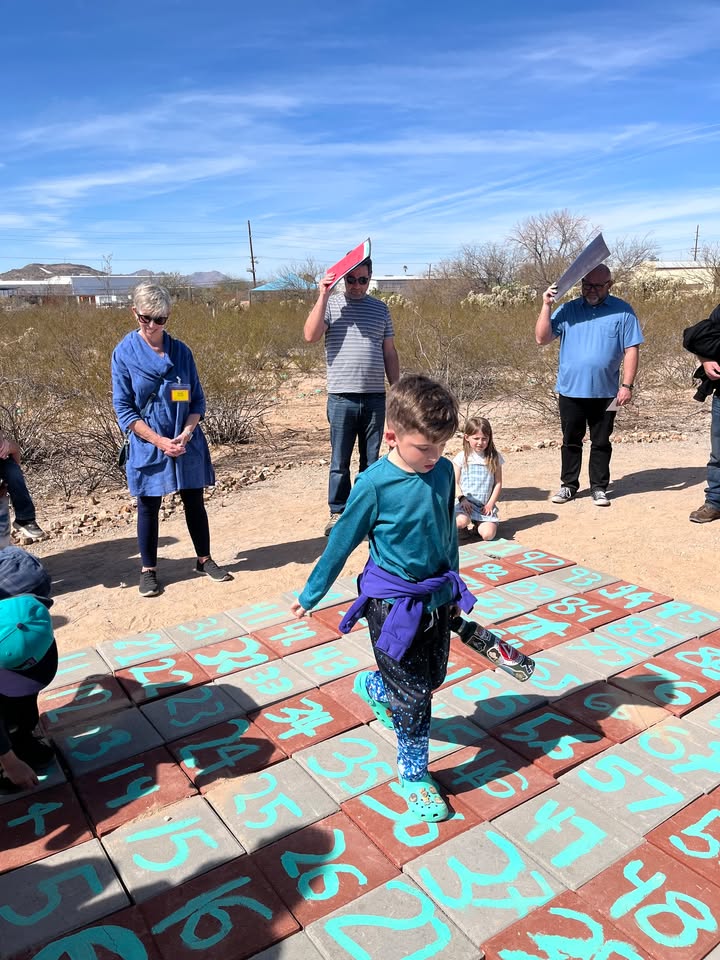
(269, 534)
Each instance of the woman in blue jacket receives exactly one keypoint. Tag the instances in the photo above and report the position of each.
(159, 403)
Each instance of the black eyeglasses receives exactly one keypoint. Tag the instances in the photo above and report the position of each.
(594, 286)
(160, 321)
(353, 280)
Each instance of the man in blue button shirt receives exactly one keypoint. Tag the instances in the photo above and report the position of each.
(598, 333)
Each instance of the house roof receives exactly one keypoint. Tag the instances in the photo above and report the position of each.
(97, 286)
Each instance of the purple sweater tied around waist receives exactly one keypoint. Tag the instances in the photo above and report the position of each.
(405, 615)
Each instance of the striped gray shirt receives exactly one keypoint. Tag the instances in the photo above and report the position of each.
(354, 339)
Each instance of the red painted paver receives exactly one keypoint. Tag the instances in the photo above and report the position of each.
(668, 684)
(382, 814)
(490, 779)
(94, 697)
(341, 692)
(303, 720)
(122, 934)
(692, 836)
(570, 926)
(331, 617)
(552, 741)
(285, 638)
(39, 825)
(161, 677)
(673, 913)
(132, 788)
(226, 750)
(629, 597)
(230, 913)
(322, 867)
(614, 712)
(494, 572)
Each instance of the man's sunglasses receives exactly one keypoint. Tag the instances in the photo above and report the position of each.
(160, 321)
(594, 286)
(353, 280)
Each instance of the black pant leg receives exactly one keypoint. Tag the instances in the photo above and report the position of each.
(601, 423)
(196, 518)
(573, 419)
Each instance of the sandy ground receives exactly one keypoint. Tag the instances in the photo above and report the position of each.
(269, 534)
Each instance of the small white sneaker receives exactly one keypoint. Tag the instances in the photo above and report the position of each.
(600, 498)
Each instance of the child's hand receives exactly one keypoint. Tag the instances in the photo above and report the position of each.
(299, 611)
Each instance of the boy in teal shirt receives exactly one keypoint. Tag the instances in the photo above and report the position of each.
(405, 505)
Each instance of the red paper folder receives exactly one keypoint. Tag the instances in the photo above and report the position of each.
(350, 261)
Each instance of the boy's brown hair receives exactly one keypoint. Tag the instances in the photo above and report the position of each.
(421, 405)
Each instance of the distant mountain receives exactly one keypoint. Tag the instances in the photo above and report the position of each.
(42, 271)
(209, 278)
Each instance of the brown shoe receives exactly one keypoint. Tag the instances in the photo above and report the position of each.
(705, 514)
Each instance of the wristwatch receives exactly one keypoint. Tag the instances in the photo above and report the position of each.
(628, 386)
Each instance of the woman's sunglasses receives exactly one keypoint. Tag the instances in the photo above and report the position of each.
(160, 321)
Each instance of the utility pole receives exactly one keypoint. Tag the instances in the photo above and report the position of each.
(697, 234)
(252, 256)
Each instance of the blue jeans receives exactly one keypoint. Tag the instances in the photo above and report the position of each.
(352, 416)
(712, 490)
(12, 475)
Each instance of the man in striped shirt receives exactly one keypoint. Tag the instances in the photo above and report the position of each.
(360, 353)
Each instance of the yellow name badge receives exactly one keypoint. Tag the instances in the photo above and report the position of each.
(180, 393)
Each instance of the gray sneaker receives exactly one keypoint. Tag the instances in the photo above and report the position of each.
(600, 498)
(564, 495)
(29, 531)
(334, 517)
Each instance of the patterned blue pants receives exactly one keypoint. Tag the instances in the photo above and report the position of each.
(407, 685)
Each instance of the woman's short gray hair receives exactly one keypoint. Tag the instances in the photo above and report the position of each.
(151, 299)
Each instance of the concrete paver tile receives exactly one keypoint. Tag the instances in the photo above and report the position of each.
(351, 763)
(568, 836)
(394, 922)
(483, 881)
(258, 687)
(137, 648)
(191, 710)
(260, 808)
(208, 630)
(217, 660)
(43, 900)
(163, 851)
(99, 743)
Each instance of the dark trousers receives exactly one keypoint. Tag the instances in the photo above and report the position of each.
(409, 682)
(19, 714)
(577, 415)
(352, 417)
(148, 524)
(22, 504)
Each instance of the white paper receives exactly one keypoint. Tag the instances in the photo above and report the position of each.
(592, 256)
(613, 405)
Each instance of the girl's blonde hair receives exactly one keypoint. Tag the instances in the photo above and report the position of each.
(481, 425)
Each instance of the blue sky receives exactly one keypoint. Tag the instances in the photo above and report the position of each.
(154, 131)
